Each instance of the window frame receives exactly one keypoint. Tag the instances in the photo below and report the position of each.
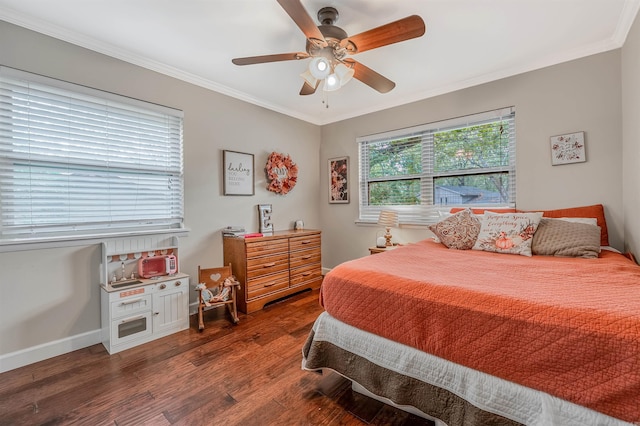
(426, 213)
(12, 239)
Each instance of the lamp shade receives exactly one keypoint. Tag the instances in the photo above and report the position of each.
(331, 83)
(320, 67)
(388, 218)
(344, 73)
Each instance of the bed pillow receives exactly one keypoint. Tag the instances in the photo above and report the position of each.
(508, 232)
(596, 211)
(566, 238)
(458, 231)
(587, 220)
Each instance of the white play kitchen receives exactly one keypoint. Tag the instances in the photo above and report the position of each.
(144, 296)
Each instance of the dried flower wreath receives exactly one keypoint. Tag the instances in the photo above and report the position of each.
(282, 173)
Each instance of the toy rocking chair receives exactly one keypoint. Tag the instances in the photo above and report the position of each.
(216, 287)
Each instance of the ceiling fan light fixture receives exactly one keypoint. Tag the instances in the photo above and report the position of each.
(331, 83)
(320, 67)
(344, 73)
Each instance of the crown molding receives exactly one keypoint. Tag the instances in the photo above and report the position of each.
(627, 17)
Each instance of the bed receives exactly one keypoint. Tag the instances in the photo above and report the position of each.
(476, 337)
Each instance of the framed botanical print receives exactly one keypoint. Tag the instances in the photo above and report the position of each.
(569, 148)
(238, 173)
(339, 180)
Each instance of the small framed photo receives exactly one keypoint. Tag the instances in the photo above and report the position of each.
(339, 180)
(569, 148)
(238, 171)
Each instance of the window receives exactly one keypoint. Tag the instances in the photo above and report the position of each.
(467, 161)
(78, 162)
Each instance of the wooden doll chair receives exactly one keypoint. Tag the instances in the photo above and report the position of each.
(212, 283)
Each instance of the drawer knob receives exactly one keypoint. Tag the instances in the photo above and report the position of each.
(269, 265)
(163, 286)
(270, 284)
(178, 283)
(305, 257)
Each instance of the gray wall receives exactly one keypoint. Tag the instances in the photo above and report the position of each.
(631, 135)
(52, 294)
(581, 95)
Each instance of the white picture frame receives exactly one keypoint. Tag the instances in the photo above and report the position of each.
(568, 148)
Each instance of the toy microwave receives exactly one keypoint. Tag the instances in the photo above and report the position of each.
(155, 266)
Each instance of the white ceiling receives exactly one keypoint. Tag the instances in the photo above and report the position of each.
(467, 42)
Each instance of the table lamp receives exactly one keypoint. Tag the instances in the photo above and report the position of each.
(388, 219)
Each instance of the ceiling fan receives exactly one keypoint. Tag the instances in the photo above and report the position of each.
(328, 46)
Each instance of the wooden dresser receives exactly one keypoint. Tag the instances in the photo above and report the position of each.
(274, 266)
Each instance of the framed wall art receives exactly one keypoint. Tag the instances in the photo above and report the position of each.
(339, 180)
(238, 172)
(569, 148)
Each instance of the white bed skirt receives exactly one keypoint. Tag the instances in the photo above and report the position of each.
(489, 393)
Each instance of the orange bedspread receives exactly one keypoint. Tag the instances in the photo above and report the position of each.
(568, 327)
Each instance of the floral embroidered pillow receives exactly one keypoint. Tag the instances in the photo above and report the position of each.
(458, 231)
(507, 233)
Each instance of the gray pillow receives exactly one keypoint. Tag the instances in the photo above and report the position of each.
(557, 237)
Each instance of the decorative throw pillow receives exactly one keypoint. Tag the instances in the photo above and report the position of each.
(566, 238)
(508, 232)
(458, 231)
(596, 211)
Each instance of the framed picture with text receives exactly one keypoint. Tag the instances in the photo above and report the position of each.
(339, 180)
(238, 173)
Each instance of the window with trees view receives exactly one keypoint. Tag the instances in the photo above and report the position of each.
(467, 161)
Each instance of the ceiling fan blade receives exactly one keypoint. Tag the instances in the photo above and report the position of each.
(302, 19)
(371, 78)
(270, 58)
(394, 32)
(308, 89)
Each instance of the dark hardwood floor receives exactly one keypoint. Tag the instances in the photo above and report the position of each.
(247, 374)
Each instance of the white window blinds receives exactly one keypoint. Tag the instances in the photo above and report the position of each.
(466, 161)
(76, 161)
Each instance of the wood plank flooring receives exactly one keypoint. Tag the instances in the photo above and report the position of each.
(247, 374)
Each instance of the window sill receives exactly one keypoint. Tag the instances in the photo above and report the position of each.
(402, 225)
(71, 241)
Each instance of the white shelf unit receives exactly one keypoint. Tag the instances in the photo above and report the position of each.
(129, 250)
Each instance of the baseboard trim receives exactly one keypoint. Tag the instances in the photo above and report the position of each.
(48, 350)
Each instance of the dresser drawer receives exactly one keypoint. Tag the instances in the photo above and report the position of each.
(304, 242)
(264, 248)
(304, 257)
(258, 266)
(304, 274)
(267, 284)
